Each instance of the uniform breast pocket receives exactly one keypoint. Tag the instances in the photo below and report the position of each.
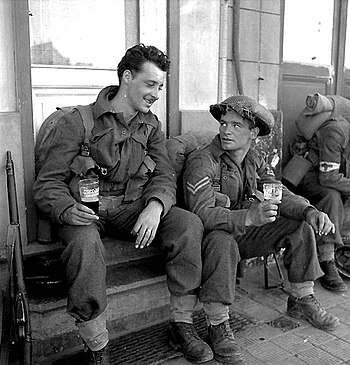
(146, 169)
(104, 148)
(141, 137)
(138, 182)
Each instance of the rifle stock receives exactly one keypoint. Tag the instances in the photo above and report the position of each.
(19, 302)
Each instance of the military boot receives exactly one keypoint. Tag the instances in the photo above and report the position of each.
(309, 308)
(184, 336)
(224, 345)
(100, 357)
(331, 279)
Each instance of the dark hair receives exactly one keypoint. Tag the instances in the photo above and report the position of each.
(136, 56)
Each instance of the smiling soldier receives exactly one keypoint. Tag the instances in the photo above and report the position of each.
(137, 187)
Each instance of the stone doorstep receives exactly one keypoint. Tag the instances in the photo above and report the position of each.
(130, 307)
(119, 251)
(137, 296)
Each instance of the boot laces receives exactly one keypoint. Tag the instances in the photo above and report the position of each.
(98, 356)
(224, 330)
(332, 268)
(189, 331)
(316, 302)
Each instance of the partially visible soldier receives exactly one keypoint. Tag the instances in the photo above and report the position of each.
(223, 186)
(327, 184)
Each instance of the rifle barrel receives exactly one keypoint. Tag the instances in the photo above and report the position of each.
(11, 189)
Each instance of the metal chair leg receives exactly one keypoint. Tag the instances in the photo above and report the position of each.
(266, 272)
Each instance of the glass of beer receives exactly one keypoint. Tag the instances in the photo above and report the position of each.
(273, 190)
(89, 193)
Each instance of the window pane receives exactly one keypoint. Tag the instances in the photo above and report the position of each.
(199, 53)
(89, 33)
(155, 33)
(308, 31)
(347, 46)
(346, 74)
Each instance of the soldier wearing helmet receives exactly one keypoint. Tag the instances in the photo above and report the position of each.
(223, 186)
(327, 183)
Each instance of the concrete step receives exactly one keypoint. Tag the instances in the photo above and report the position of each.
(119, 250)
(42, 264)
(137, 297)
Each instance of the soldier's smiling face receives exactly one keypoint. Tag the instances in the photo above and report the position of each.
(144, 87)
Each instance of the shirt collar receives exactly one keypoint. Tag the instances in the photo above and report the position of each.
(102, 105)
(215, 147)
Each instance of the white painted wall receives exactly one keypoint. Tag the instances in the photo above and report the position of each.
(10, 129)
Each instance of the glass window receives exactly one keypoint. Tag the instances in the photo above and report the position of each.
(87, 33)
(76, 46)
(346, 74)
(155, 33)
(308, 28)
(199, 53)
(347, 46)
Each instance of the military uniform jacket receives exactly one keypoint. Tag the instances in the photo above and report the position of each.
(133, 155)
(333, 150)
(220, 192)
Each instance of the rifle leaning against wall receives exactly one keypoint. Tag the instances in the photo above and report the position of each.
(15, 321)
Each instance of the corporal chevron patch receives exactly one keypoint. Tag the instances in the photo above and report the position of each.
(199, 185)
(328, 166)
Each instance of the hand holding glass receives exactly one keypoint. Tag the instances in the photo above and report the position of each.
(273, 191)
(89, 193)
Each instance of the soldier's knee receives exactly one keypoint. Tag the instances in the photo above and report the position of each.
(306, 229)
(222, 244)
(189, 222)
(80, 240)
(332, 196)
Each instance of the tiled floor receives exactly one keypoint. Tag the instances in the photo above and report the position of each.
(274, 338)
(263, 331)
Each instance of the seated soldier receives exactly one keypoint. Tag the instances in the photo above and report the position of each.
(327, 183)
(222, 185)
(137, 197)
